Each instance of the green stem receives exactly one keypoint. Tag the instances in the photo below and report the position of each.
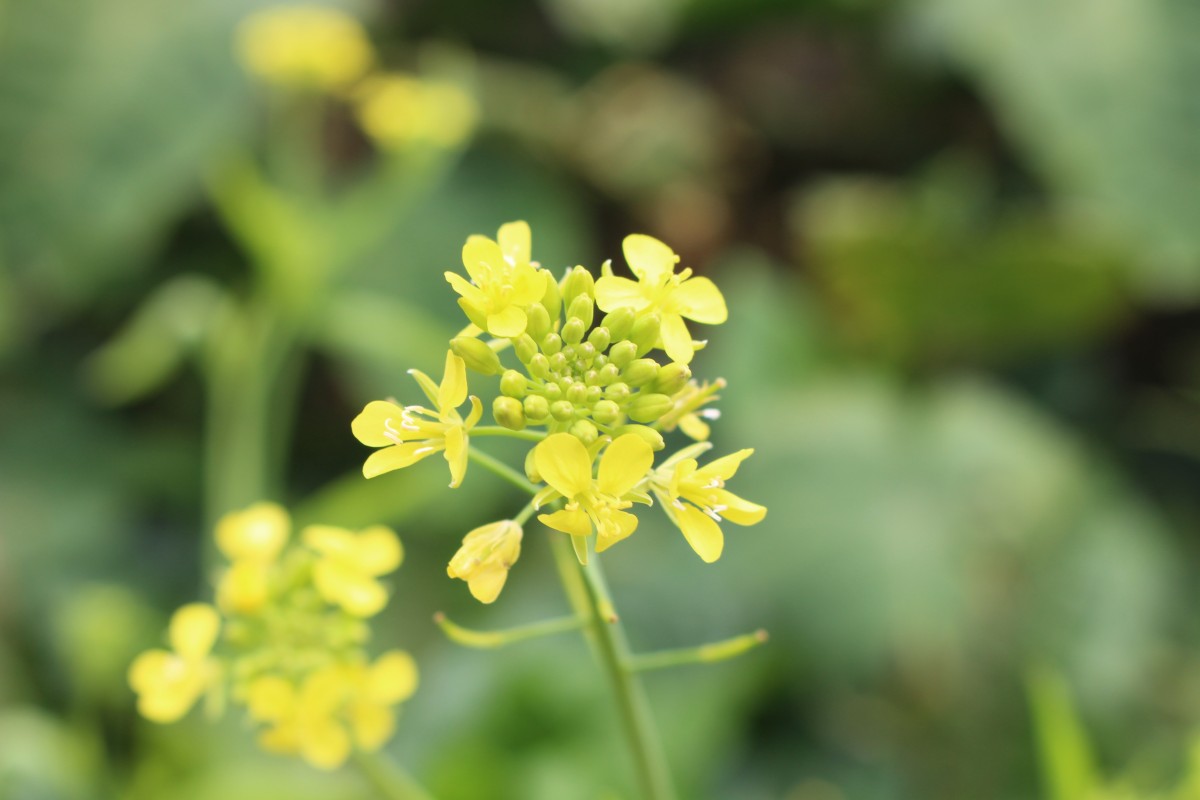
(488, 639)
(584, 588)
(392, 782)
(703, 654)
(497, 430)
(502, 470)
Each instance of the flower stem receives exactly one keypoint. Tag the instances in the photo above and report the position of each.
(497, 430)
(703, 654)
(585, 589)
(502, 470)
(488, 639)
(392, 782)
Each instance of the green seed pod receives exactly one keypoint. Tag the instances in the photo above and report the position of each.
(645, 333)
(572, 332)
(585, 431)
(551, 344)
(619, 322)
(577, 394)
(509, 412)
(539, 367)
(552, 299)
(477, 355)
(513, 384)
(622, 353)
(537, 408)
(649, 407)
(606, 412)
(539, 321)
(672, 377)
(558, 362)
(618, 392)
(608, 374)
(599, 339)
(531, 470)
(582, 308)
(640, 372)
(651, 436)
(579, 282)
(562, 410)
(525, 347)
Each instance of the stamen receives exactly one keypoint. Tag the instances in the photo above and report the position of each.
(712, 513)
(420, 451)
(678, 504)
(711, 413)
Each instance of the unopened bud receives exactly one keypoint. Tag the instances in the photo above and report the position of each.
(619, 322)
(525, 347)
(582, 308)
(608, 374)
(606, 412)
(645, 333)
(539, 367)
(558, 362)
(537, 408)
(649, 435)
(531, 470)
(509, 412)
(539, 321)
(577, 393)
(562, 410)
(513, 384)
(578, 282)
(640, 372)
(551, 344)
(594, 393)
(622, 353)
(585, 431)
(585, 352)
(672, 377)
(553, 392)
(552, 299)
(572, 332)
(649, 407)
(476, 354)
(591, 377)
(599, 338)
(617, 392)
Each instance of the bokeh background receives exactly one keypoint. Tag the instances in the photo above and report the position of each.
(960, 242)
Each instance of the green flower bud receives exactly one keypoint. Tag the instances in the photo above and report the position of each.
(539, 321)
(619, 322)
(599, 339)
(606, 412)
(640, 372)
(572, 332)
(608, 374)
(672, 377)
(622, 353)
(513, 384)
(509, 412)
(551, 344)
(553, 392)
(525, 347)
(539, 367)
(649, 407)
(645, 333)
(569, 353)
(579, 282)
(618, 392)
(562, 410)
(577, 393)
(582, 308)
(591, 377)
(552, 299)
(477, 354)
(531, 470)
(537, 408)
(594, 393)
(558, 362)
(651, 436)
(585, 352)
(585, 431)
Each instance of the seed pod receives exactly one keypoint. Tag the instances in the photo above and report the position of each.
(477, 355)
(509, 412)
(649, 407)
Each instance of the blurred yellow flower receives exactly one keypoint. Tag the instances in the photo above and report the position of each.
(689, 414)
(565, 464)
(659, 289)
(503, 280)
(252, 540)
(485, 557)
(411, 433)
(168, 683)
(399, 110)
(708, 503)
(305, 46)
(349, 564)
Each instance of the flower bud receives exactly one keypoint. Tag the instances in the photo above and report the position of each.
(551, 344)
(553, 392)
(486, 555)
(562, 410)
(649, 407)
(525, 347)
(649, 435)
(617, 392)
(585, 431)
(645, 333)
(619, 322)
(599, 338)
(640, 372)
(539, 321)
(509, 412)
(578, 282)
(577, 394)
(558, 362)
(606, 412)
(583, 309)
(531, 470)
(622, 353)
(552, 299)
(608, 374)
(591, 377)
(584, 353)
(594, 393)
(539, 367)
(572, 332)
(477, 355)
(513, 384)
(672, 377)
(537, 408)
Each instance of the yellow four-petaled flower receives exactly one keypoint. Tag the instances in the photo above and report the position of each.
(503, 280)
(169, 682)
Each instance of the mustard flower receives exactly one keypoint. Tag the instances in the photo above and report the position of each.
(307, 46)
(674, 297)
(168, 683)
(399, 110)
(411, 433)
(486, 555)
(680, 478)
(252, 540)
(688, 412)
(503, 281)
(349, 564)
(565, 464)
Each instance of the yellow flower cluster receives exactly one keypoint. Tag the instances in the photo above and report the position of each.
(323, 49)
(286, 639)
(588, 392)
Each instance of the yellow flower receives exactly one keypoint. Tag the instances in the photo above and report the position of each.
(659, 289)
(689, 414)
(398, 110)
(485, 557)
(708, 503)
(305, 46)
(168, 683)
(349, 564)
(334, 708)
(503, 280)
(565, 464)
(252, 540)
(411, 433)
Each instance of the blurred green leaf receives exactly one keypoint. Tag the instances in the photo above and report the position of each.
(1068, 765)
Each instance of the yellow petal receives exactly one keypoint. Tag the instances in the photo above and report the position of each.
(325, 745)
(615, 527)
(650, 259)
(475, 414)
(193, 630)
(515, 240)
(508, 322)
(357, 593)
(738, 510)
(482, 257)
(147, 670)
(485, 584)
(166, 706)
(613, 293)
(392, 678)
(624, 463)
(470, 293)
(563, 462)
(270, 698)
(574, 522)
(281, 739)
(694, 427)
(701, 531)
(329, 540)
(676, 340)
(396, 457)
(377, 550)
(701, 300)
(244, 588)
(528, 285)
(476, 310)
(724, 467)
(257, 533)
(372, 724)
(456, 455)
(453, 389)
(378, 425)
